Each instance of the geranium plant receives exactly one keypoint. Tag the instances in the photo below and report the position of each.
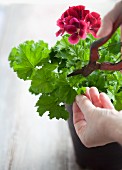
(47, 68)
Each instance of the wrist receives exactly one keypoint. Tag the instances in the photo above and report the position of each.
(113, 126)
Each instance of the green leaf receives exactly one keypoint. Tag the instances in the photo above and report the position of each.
(62, 44)
(44, 80)
(48, 70)
(118, 101)
(27, 56)
(49, 103)
(45, 103)
(82, 90)
(111, 95)
(65, 93)
(59, 112)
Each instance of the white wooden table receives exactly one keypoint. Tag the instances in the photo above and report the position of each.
(27, 141)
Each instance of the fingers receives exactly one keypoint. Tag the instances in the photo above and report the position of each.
(106, 101)
(99, 99)
(94, 95)
(87, 94)
(109, 19)
(84, 104)
(106, 27)
(77, 114)
(78, 119)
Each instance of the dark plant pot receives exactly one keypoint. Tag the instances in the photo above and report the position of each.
(108, 157)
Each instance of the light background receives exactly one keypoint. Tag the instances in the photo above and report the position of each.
(27, 141)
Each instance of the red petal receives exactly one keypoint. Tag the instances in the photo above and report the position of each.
(96, 25)
(70, 29)
(83, 25)
(82, 34)
(72, 12)
(95, 14)
(60, 23)
(80, 7)
(79, 10)
(84, 13)
(94, 28)
(90, 18)
(74, 39)
(64, 15)
(75, 22)
(60, 32)
(93, 32)
(67, 20)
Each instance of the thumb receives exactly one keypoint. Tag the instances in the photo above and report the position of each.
(84, 104)
(109, 19)
(105, 28)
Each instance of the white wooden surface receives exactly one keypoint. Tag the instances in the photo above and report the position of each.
(27, 141)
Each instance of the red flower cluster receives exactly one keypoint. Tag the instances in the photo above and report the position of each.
(78, 22)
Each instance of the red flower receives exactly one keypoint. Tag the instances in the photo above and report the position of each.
(74, 11)
(78, 22)
(94, 22)
(77, 29)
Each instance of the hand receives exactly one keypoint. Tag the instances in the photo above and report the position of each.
(91, 116)
(109, 19)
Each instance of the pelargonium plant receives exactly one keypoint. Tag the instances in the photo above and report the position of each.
(47, 68)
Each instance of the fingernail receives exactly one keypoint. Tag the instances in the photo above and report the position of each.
(78, 97)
